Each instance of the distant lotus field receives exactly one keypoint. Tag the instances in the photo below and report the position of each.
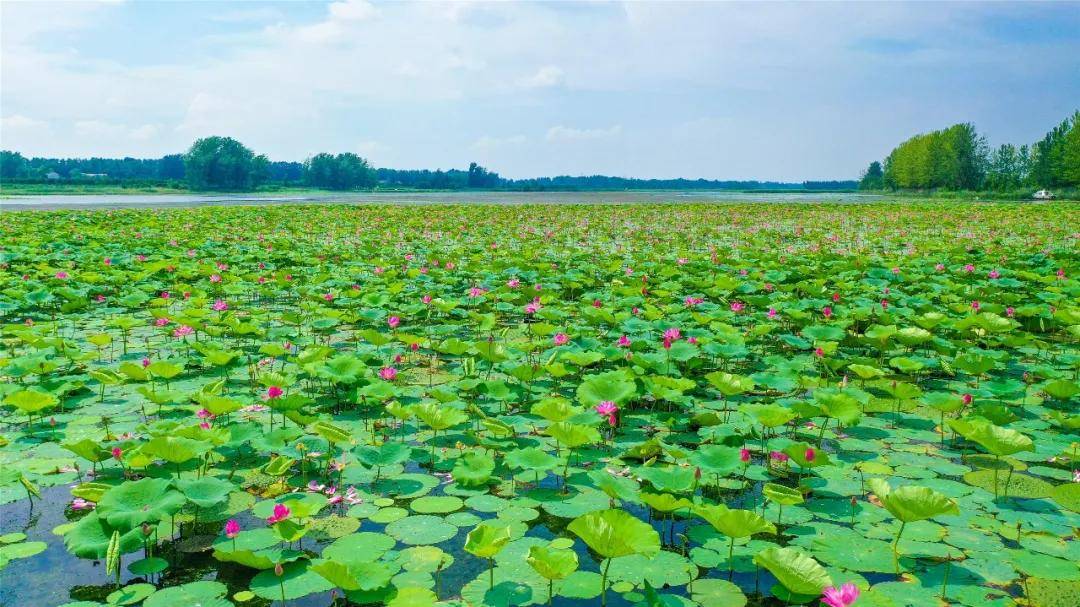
(577, 405)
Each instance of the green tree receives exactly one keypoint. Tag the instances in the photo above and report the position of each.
(873, 178)
(12, 164)
(342, 172)
(223, 163)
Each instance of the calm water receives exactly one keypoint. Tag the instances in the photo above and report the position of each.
(90, 201)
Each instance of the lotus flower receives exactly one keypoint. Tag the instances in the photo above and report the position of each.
(281, 512)
(560, 339)
(81, 504)
(232, 528)
(737, 306)
(624, 342)
(220, 305)
(608, 409)
(182, 331)
(744, 455)
(810, 454)
(388, 373)
(393, 322)
(842, 597)
(273, 392)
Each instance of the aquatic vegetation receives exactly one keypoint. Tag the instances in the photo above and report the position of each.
(660, 405)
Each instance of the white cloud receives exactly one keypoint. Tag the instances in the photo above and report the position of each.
(144, 132)
(98, 129)
(353, 10)
(488, 142)
(370, 148)
(565, 133)
(547, 76)
(18, 121)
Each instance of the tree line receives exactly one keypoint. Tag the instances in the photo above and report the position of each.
(223, 163)
(958, 158)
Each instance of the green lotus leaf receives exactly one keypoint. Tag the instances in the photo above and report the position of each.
(202, 593)
(795, 570)
(473, 469)
(205, 492)
(133, 503)
(615, 533)
(912, 503)
(781, 494)
(732, 522)
(612, 386)
(485, 541)
(552, 563)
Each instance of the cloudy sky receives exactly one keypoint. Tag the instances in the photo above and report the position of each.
(715, 90)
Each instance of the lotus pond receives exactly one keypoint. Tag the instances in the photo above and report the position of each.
(676, 405)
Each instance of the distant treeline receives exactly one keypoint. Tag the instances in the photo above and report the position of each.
(958, 158)
(222, 163)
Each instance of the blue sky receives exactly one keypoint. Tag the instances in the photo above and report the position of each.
(717, 90)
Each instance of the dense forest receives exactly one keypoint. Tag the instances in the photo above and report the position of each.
(222, 163)
(958, 158)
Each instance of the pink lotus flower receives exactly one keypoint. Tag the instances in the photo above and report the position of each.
(608, 409)
(810, 454)
(672, 334)
(896, 270)
(835, 297)
(315, 487)
(939, 267)
(826, 312)
(204, 414)
(274, 392)
(117, 453)
(475, 292)
(884, 304)
(81, 504)
(426, 299)
(183, 331)
(281, 512)
(145, 362)
(843, 597)
(994, 274)
(772, 313)
(596, 303)
(693, 301)
(624, 342)
(560, 339)
(215, 278)
(388, 373)
(328, 296)
(1010, 311)
(818, 352)
(737, 306)
(744, 455)
(533, 307)
(107, 261)
(969, 268)
(232, 528)
(778, 456)
(966, 399)
(975, 305)
(161, 322)
(220, 305)
(393, 322)
(513, 283)
(62, 275)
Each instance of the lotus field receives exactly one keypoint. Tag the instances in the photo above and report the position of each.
(580, 405)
